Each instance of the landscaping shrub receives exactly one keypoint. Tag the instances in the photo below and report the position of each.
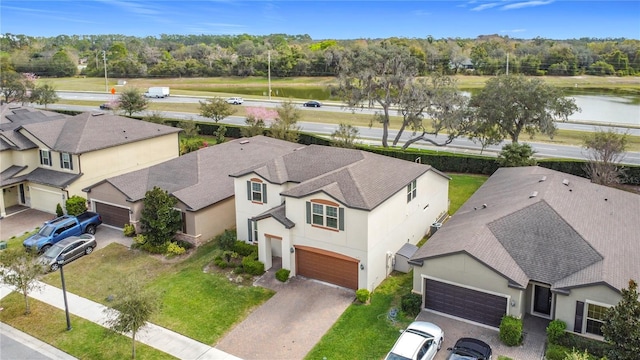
(556, 352)
(59, 211)
(76, 205)
(219, 262)
(363, 295)
(252, 266)
(410, 304)
(174, 249)
(283, 274)
(139, 239)
(244, 249)
(594, 347)
(511, 330)
(555, 331)
(129, 230)
(227, 239)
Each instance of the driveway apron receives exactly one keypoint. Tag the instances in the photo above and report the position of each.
(289, 324)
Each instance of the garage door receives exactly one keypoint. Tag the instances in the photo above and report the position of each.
(327, 266)
(113, 215)
(465, 303)
(45, 200)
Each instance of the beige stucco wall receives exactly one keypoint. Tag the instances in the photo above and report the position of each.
(269, 230)
(212, 220)
(462, 269)
(599, 294)
(29, 158)
(245, 209)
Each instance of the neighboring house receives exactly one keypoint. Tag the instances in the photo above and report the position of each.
(47, 158)
(337, 215)
(198, 180)
(533, 241)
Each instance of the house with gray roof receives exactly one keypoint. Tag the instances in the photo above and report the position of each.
(337, 215)
(533, 241)
(47, 157)
(198, 180)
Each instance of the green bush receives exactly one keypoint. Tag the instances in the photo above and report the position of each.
(556, 352)
(174, 249)
(219, 262)
(410, 303)
(283, 274)
(227, 239)
(252, 266)
(139, 239)
(555, 331)
(594, 347)
(59, 211)
(76, 205)
(244, 249)
(363, 295)
(129, 230)
(511, 330)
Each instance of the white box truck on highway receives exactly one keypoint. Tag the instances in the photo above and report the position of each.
(157, 92)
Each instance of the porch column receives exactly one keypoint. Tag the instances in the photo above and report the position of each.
(3, 211)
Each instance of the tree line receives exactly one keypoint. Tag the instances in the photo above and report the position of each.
(300, 55)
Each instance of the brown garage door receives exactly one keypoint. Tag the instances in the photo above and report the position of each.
(327, 266)
(113, 215)
(466, 303)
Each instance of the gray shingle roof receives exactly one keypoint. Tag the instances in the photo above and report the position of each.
(49, 177)
(566, 235)
(279, 213)
(7, 176)
(12, 118)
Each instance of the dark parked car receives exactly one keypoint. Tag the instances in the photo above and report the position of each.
(470, 349)
(67, 250)
(105, 106)
(312, 103)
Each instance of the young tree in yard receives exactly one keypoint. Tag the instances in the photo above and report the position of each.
(515, 154)
(44, 95)
(132, 308)
(160, 221)
(605, 151)
(345, 136)
(189, 128)
(621, 328)
(21, 270)
(285, 125)
(216, 109)
(516, 104)
(132, 101)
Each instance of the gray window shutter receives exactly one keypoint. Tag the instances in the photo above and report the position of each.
(50, 159)
(341, 218)
(61, 166)
(250, 228)
(249, 190)
(41, 159)
(70, 162)
(308, 212)
(264, 193)
(577, 324)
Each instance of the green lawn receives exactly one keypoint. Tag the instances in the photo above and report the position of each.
(461, 187)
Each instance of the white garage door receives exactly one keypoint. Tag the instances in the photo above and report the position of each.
(45, 199)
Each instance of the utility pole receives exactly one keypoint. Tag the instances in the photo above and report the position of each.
(269, 72)
(104, 59)
(507, 63)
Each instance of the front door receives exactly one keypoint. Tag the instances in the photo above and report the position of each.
(542, 298)
(22, 197)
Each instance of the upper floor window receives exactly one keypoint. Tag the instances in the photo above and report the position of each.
(66, 161)
(411, 190)
(45, 157)
(325, 214)
(256, 191)
(595, 318)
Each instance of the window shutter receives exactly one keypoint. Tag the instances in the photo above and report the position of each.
(264, 193)
(341, 218)
(41, 159)
(250, 229)
(308, 212)
(61, 166)
(70, 162)
(577, 324)
(249, 190)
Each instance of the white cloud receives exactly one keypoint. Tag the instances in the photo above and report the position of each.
(485, 6)
(520, 5)
(421, 13)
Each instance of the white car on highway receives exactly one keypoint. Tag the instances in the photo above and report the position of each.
(235, 100)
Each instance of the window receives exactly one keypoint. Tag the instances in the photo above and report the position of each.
(595, 318)
(45, 157)
(325, 215)
(256, 191)
(411, 190)
(65, 161)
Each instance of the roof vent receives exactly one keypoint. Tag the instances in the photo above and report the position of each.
(244, 142)
(533, 194)
(484, 206)
(542, 179)
(565, 182)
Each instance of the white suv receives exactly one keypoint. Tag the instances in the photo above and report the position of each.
(235, 100)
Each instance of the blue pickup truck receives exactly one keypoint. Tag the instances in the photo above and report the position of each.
(62, 227)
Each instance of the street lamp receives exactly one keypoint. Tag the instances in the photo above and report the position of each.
(64, 293)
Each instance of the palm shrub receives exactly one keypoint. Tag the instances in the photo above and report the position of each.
(511, 330)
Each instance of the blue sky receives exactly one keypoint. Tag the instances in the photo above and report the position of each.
(526, 19)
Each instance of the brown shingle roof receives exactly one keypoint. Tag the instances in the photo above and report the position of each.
(593, 229)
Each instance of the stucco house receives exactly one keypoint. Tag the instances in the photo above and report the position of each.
(198, 180)
(46, 158)
(533, 241)
(337, 215)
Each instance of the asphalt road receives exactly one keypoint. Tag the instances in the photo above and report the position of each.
(373, 135)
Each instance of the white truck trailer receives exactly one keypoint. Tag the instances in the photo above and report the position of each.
(157, 92)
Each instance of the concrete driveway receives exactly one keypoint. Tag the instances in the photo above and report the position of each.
(289, 324)
(531, 349)
(23, 220)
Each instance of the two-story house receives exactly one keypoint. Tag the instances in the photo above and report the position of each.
(47, 159)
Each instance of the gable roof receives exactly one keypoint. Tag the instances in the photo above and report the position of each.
(532, 223)
(94, 131)
(201, 178)
(355, 178)
(13, 117)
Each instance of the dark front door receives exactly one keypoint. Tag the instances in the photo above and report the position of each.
(542, 300)
(22, 200)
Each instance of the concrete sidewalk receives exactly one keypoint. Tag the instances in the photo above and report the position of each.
(155, 336)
